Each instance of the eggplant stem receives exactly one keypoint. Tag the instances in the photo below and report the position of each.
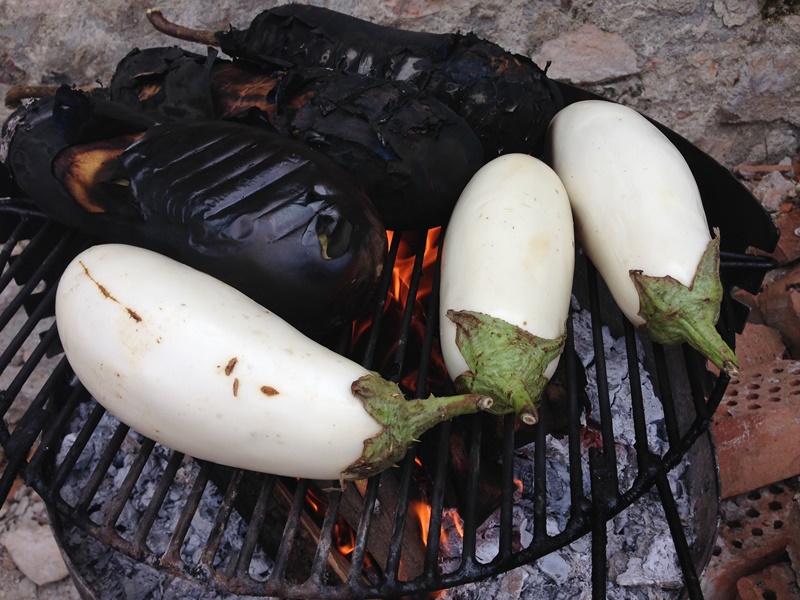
(200, 36)
(15, 95)
(674, 313)
(505, 362)
(403, 421)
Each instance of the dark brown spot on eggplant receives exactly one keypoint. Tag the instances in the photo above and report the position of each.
(134, 315)
(100, 286)
(236, 386)
(230, 366)
(268, 390)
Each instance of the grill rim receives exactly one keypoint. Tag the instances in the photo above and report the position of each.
(579, 522)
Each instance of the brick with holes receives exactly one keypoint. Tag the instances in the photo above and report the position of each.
(756, 425)
(754, 532)
(776, 582)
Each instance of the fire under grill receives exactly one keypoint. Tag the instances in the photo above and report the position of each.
(422, 526)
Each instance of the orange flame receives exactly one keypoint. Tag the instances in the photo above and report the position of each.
(344, 538)
(520, 488)
(404, 267)
(422, 510)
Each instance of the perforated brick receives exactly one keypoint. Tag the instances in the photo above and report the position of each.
(776, 582)
(754, 533)
(756, 427)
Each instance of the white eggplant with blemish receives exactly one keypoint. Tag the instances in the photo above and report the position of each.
(506, 281)
(639, 216)
(194, 364)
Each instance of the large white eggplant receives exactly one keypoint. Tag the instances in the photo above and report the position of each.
(639, 216)
(507, 270)
(194, 364)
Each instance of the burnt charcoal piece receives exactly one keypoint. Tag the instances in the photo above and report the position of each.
(265, 214)
(411, 154)
(506, 98)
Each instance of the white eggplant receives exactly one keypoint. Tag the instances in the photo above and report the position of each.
(506, 281)
(639, 216)
(194, 364)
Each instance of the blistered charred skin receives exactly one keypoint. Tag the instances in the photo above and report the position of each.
(506, 98)
(411, 154)
(262, 213)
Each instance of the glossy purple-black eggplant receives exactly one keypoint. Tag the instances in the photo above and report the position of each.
(411, 154)
(266, 214)
(506, 98)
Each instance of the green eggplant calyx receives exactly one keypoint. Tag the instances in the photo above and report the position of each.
(505, 362)
(674, 313)
(403, 421)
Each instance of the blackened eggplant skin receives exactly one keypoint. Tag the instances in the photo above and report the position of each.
(412, 155)
(261, 212)
(505, 97)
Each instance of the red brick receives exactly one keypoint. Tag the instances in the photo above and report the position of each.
(793, 549)
(754, 532)
(779, 304)
(788, 248)
(776, 582)
(756, 427)
(758, 344)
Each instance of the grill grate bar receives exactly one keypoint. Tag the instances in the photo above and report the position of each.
(643, 453)
(362, 534)
(665, 395)
(606, 426)
(96, 479)
(540, 477)
(507, 489)
(221, 520)
(14, 238)
(577, 499)
(151, 512)
(19, 443)
(470, 515)
(41, 311)
(126, 488)
(74, 452)
(398, 527)
(27, 369)
(437, 502)
(40, 238)
(172, 555)
(325, 539)
(254, 525)
(56, 426)
(368, 358)
(691, 580)
(291, 528)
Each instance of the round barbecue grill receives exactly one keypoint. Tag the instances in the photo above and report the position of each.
(275, 536)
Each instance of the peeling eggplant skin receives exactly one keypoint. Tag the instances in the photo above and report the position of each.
(412, 154)
(506, 98)
(263, 213)
(32, 144)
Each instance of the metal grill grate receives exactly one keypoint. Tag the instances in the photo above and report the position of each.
(35, 252)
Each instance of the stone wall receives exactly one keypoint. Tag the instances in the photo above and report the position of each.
(723, 73)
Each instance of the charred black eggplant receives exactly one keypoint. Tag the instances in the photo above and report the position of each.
(411, 154)
(506, 98)
(261, 212)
